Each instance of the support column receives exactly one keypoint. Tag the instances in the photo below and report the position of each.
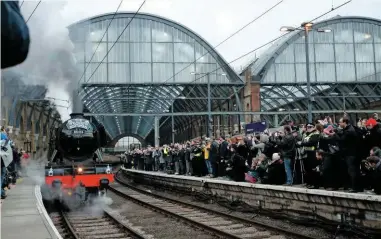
(77, 102)
(173, 125)
(247, 96)
(255, 100)
(276, 120)
(218, 131)
(239, 108)
(157, 134)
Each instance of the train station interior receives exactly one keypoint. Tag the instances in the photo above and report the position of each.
(161, 119)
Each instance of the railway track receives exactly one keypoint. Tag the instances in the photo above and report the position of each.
(218, 223)
(82, 225)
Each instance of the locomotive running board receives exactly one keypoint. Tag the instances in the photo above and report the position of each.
(64, 170)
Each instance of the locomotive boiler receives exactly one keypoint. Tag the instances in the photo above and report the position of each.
(75, 171)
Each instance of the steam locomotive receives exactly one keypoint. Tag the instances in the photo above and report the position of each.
(75, 172)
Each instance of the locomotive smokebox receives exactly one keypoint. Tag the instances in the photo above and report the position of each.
(77, 138)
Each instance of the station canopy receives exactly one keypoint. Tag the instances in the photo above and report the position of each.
(344, 62)
(156, 66)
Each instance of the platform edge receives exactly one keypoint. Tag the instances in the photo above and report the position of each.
(44, 213)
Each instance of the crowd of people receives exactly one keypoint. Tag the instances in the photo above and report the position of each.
(321, 154)
(13, 161)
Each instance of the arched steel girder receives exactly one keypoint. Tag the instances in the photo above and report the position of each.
(121, 107)
(318, 106)
(127, 126)
(129, 90)
(280, 96)
(158, 103)
(110, 106)
(159, 91)
(336, 102)
(264, 100)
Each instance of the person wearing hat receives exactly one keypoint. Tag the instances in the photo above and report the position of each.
(309, 145)
(373, 137)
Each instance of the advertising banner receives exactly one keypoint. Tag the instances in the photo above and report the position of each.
(258, 127)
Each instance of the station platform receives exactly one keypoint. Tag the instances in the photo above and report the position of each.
(23, 214)
(360, 209)
(111, 159)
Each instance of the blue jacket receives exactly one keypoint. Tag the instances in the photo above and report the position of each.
(14, 35)
(3, 136)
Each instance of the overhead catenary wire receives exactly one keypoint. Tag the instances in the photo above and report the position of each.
(226, 39)
(260, 47)
(120, 35)
(104, 34)
(38, 4)
(22, 3)
(263, 45)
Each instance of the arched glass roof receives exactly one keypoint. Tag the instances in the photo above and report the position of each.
(345, 65)
(156, 64)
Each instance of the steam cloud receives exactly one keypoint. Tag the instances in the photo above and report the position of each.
(50, 61)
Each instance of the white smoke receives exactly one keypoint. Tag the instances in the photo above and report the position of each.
(97, 205)
(34, 170)
(50, 61)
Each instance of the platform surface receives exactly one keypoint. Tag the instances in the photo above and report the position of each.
(295, 189)
(23, 214)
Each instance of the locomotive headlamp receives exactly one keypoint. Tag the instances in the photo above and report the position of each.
(80, 170)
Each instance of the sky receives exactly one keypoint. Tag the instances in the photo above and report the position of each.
(214, 20)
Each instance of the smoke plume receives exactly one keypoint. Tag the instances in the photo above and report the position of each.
(50, 61)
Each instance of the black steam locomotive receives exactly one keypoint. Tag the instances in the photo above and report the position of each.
(78, 140)
(75, 168)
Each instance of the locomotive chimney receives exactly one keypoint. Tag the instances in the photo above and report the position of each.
(77, 116)
(77, 104)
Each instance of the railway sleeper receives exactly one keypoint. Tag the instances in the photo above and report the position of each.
(96, 231)
(108, 236)
(98, 224)
(79, 221)
(230, 227)
(220, 222)
(101, 228)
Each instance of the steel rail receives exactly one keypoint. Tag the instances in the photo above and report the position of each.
(132, 232)
(222, 214)
(175, 215)
(68, 225)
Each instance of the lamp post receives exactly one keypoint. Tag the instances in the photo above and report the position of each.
(210, 120)
(343, 95)
(306, 27)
